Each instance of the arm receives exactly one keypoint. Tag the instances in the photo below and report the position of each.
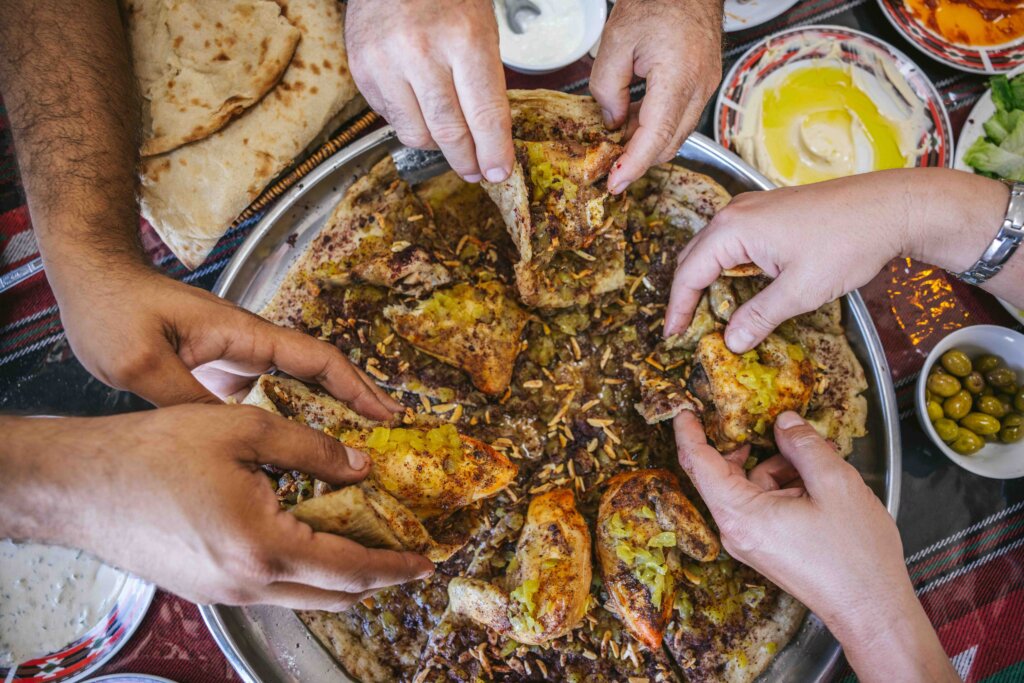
(806, 520)
(821, 241)
(67, 83)
(677, 47)
(434, 72)
(204, 521)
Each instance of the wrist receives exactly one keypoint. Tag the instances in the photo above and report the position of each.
(44, 475)
(953, 217)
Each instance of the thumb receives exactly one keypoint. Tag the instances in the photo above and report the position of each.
(275, 440)
(720, 482)
(814, 459)
(757, 318)
(164, 380)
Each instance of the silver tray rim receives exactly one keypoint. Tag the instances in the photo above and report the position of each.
(214, 615)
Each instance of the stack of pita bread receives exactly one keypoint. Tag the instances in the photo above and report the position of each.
(233, 91)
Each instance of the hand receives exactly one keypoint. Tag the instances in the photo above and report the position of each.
(677, 47)
(807, 521)
(176, 496)
(137, 330)
(823, 240)
(435, 73)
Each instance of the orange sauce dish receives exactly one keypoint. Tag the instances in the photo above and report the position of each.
(971, 22)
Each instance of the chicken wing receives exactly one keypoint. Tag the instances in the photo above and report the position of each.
(643, 523)
(546, 590)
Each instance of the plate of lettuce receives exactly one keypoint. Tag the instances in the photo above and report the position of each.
(992, 140)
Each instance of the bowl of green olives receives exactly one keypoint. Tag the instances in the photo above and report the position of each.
(970, 400)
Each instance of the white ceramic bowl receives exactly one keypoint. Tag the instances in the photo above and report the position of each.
(995, 460)
(594, 14)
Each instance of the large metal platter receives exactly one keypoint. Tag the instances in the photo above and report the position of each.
(270, 645)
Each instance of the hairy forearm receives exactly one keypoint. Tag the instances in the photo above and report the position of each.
(66, 79)
(952, 217)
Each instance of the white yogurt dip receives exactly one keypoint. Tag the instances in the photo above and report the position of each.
(50, 597)
(549, 39)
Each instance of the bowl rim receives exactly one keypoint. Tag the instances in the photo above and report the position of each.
(970, 463)
(601, 7)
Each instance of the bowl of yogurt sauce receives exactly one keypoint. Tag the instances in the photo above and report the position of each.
(63, 613)
(561, 34)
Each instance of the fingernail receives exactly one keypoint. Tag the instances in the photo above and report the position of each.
(788, 420)
(607, 117)
(356, 459)
(426, 575)
(618, 187)
(739, 341)
(496, 175)
(472, 178)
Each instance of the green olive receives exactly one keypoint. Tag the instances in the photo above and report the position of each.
(990, 405)
(1013, 428)
(988, 391)
(943, 385)
(974, 382)
(967, 442)
(987, 363)
(957, 405)
(1018, 401)
(937, 369)
(956, 362)
(946, 429)
(1001, 378)
(934, 411)
(980, 423)
(1011, 389)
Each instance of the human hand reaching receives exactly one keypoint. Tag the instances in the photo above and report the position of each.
(807, 521)
(824, 240)
(176, 496)
(435, 73)
(139, 331)
(677, 47)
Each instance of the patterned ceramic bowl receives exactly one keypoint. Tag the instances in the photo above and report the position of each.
(809, 43)
(988, 59)
(84, 656)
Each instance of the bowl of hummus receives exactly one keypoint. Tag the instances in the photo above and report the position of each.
(822, 102)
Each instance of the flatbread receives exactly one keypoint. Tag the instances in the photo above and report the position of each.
(199, 63)
(192, 194)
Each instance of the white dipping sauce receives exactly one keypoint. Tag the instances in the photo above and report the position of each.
(50, 597)
(548, 39)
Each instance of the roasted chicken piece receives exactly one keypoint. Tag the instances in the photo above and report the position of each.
(420, 475)
(432, 471)
(643, 523)
(473, 327)
(743, 394)
(408, 269)
(546, 590)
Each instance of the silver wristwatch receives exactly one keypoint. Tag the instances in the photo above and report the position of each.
(1009, 237)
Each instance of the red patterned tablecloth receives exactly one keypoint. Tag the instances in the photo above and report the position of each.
(964, 535)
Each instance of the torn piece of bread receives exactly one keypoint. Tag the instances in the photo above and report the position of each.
(473, 327)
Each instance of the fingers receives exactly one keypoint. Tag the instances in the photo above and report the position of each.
(294, 446)
(299, 596)
(783, 299)
(659, 118)
(813, 458)
(480, 84)
(448, 128)
(774, 473)
(721, 483)
(401, 109)
(700, 264)
(318, 362)
(611, 76)
(160, 377)
(335, 563)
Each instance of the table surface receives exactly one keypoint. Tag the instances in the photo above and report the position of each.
(963, 535)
